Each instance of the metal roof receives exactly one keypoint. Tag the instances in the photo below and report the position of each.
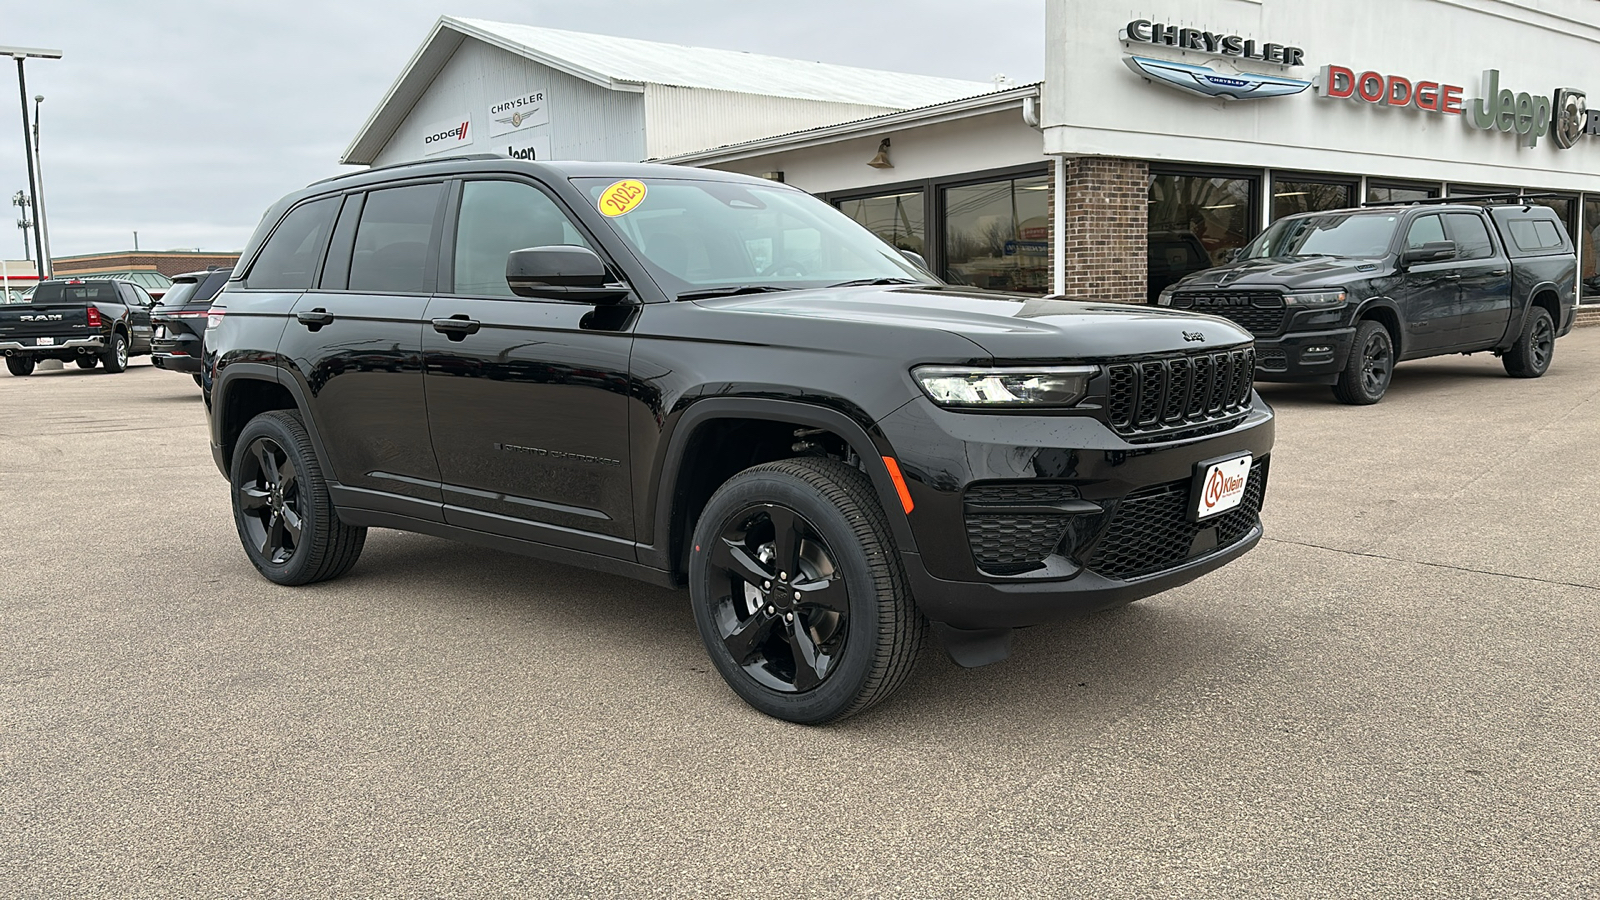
(628, 64)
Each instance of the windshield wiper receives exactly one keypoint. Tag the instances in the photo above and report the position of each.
(733, 291)
(861, 282)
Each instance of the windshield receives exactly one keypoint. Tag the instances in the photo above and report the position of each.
(1333, 234)
(179, 293)
(695, 235)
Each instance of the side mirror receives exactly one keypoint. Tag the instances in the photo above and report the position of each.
(1433, 251)
(576, 274)
(1233, 255)
(916, 258)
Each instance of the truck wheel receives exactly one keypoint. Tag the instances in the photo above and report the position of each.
(87, 362)
(1367, 372)
(198, 382)
(20, 365)
(116, 355)
(1530, 356)
(799, 594)
(281, 506)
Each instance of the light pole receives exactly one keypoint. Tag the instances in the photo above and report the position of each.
(39, 223)
(21, 55)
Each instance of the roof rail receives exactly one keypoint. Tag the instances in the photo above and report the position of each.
(402, 165)
(1509, 197)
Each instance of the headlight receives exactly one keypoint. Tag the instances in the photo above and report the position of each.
(1166, 297)
(1036, 387)
(1315, 299)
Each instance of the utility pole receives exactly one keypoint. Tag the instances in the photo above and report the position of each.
(20, 201)
(21, 55)
(41, 227)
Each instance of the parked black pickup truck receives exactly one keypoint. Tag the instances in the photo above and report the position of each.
(1339, 297)
(92, 322)
(712, 381)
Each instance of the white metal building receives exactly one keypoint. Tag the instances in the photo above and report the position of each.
(538, 93)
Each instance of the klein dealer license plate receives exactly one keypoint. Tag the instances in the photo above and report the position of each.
(1219, 486)
(44, 342)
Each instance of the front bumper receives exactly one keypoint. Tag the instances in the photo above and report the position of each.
(1100, 490)
(1307, 356)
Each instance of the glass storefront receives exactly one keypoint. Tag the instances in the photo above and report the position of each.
(997, 234)
(1196, 221)
(1290, 196)
(898, 219)
(1589, 246)
(1383, 193)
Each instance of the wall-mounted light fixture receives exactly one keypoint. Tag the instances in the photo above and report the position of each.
(881, 161)
(773, 176)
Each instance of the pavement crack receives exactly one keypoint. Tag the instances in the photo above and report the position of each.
(1420, 562)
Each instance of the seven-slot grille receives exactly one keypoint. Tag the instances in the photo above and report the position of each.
(1167, 394)
(1263, 312)
(1151, 530)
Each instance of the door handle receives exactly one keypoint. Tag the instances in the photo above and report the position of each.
(456, 327)
(1498, 272)
(1453, 276)
(314, 318)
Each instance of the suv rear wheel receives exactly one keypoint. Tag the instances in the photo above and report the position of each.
(281, 506)
(20, 365)
(1530, 356)
(799, 594)
(1370, 367)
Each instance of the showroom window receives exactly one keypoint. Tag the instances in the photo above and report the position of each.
(1196, 222)
(1588, 241)
(997, 234)
(1482, 190)
(1383, 193)
(898, 219)
(1290, 196)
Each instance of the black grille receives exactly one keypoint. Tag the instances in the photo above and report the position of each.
(1162, 395)
(1020, 493)
(1262, 312)
(1151, 530)
(1011, 541)
(1272, 360)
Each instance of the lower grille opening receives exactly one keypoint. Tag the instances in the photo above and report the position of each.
(1151, 531)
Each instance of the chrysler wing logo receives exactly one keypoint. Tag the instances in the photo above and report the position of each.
(514, 120)
(1211, 83)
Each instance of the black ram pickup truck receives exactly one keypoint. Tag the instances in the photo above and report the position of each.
(707, 380)
(93, 322)
(1339, 297)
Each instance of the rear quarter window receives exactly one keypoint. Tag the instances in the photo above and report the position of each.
(1535, 235)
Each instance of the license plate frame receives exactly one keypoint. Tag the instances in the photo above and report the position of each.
(44, 342)
(1219, 486)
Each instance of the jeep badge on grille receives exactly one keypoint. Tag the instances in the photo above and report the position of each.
(1192, 336)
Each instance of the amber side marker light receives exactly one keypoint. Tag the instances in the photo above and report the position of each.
(899, 483)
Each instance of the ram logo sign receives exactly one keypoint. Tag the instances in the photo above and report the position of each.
(42, 318)
(1212, 83)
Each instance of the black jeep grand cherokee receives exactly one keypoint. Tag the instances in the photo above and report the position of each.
(710, 380)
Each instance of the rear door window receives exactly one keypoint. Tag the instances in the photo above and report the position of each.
(289, 259)
(392, 241)
(1471, 236)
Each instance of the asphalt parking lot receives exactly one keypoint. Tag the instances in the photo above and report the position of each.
(1397, 694)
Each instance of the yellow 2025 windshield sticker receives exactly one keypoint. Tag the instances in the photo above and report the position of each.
(622, 198)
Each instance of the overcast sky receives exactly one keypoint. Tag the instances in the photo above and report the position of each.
(185, 120)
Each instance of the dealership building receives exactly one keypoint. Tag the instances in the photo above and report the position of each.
(1172, 131)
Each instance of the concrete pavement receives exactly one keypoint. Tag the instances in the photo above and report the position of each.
(1395, 695)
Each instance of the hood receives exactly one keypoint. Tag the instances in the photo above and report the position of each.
(1286, 272)
(1006, 326)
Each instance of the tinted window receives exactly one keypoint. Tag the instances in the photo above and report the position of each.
(141, 296)
(1471, 236)
(391, 251)
(997, 235)
(1425, 230)
(212, 285)
(897, 219)
(1533, 235)
(1333, 234)
(1290, 197)
(289, 258)
(498, 217)
(89, 291)
(180, 292)
(1194, 220)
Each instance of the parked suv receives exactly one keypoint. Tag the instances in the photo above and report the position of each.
(180, 321)
(90, 322)
(1339, 297)
(708, 380)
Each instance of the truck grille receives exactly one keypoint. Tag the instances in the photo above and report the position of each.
(1151, 531)
(1167, 394)
(1262, 312)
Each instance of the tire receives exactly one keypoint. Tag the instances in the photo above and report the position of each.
(20, 366)
(1369, 369)
(856, 624)
(197, 380)
(276, 478)
(87, 362)
(1533, 352)
(116, 355)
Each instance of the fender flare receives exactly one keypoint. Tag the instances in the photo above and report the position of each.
(1373, 303)
(232, 373)
(1520, 314)
(664, 478)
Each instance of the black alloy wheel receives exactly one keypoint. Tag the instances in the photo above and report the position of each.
(269, 498)
(799, 593)
(1531, 355)
(782, 609)
(281, 506)
(1369, 369)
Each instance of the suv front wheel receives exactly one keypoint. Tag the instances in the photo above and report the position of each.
(799, 594)
(281, 506)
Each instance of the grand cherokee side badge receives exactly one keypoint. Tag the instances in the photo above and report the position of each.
(1193, 336)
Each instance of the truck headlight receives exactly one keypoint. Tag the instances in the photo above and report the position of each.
(1005, 388)
(1314, 299)
(1166, 297)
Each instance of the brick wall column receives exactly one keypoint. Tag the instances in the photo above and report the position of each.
(1107, 205)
